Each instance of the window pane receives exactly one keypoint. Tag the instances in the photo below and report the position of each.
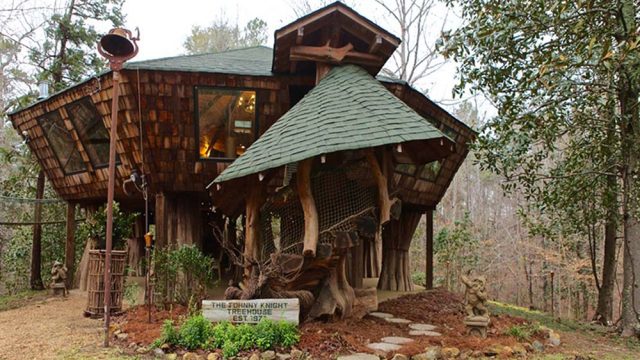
(430, 171)
(409, 169)
(91, 130)
(226, 122)
(61, 142)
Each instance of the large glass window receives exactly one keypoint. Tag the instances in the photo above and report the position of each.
(62, 143)
(226, 121)
(91, 131)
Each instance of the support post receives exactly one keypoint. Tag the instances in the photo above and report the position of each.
(252, 244)
(429, 250)
(161, 220)
(311, 222)
(70, 244)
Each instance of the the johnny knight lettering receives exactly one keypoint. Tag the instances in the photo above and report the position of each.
(252, 311)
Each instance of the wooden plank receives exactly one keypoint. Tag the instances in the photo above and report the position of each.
(252, 311)
(69, 248)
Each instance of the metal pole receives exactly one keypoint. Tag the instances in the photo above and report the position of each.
(429, 250)
(110, 196)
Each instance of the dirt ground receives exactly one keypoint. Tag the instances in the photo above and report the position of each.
(54, 328)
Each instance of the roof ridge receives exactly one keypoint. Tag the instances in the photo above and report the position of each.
(133, 63)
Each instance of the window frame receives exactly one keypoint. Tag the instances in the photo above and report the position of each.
(85, 146)
(53, 149)
(196, 119)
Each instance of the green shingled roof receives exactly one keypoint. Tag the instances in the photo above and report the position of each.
(347, 110)
(254, 61)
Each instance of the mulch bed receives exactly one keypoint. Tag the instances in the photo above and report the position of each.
(437, 307)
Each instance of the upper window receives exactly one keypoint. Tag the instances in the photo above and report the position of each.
(91, 131)
(226, 122)
(430, 171)
(62, 143)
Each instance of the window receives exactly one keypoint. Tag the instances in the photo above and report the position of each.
(409, 169)
(430, 171)
(62, 143)
(226, 122)
(91, 130)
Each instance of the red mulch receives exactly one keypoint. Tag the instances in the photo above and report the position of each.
(135, 323)
(438, 307)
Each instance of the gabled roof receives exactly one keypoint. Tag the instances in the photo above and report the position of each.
(347, 110)
(254, 61)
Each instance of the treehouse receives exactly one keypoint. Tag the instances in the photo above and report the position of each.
(299, 158)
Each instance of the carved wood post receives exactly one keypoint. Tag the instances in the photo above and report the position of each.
(311, 223)
(429, 249)
(383, 191)
(161, 220)
(254, 201)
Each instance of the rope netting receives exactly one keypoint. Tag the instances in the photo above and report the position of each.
(16, 211)
(344, 198)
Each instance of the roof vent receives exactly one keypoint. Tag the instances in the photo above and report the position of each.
(43, 90)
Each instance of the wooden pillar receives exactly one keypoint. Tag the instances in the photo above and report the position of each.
(70, 244)
(429, 249)
(311, 220)
(252, 244)
(161, 220)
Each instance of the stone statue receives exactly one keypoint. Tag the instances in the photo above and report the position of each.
(59, 278)
(477, 319)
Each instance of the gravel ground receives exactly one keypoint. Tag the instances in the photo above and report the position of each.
(52, 329)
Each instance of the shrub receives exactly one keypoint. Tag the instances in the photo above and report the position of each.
(131, 291)
(419, 278)
(523, 332)
(198, 333)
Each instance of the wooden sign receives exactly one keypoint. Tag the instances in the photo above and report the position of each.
(251, 311)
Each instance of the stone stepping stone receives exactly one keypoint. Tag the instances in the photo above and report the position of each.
(381, 315)
(398, 320)
(422, 327)
(424, 333)
(383, 346)
(398, 340)
(359, 356)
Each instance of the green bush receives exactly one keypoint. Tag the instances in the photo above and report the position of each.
(95, 227)
(199, 333)
(419, 278)
(523, 332)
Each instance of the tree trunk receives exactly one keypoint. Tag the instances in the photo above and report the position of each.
(396, 239)
(604, 309)
(36, 248)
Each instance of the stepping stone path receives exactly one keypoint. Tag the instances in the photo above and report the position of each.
(360, 356)
(393, 343)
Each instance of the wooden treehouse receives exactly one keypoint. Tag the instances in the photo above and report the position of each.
(310, 170)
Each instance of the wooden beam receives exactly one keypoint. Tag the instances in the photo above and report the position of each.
(429, 250)
(161, 220)
(300, 35)
(331, 55)
(311, 222)
(69, 248)
(254, 201)
(376, 44)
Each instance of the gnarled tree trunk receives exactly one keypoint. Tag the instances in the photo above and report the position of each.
(396, 240)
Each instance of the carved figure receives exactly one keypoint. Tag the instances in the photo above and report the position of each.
(475, 295)
(59, 278)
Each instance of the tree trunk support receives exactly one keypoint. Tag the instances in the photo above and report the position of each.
(311, 222)
(383, 190)
(254, 201)
(161, 220)
(36, 248)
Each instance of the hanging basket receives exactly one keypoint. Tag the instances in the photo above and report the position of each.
(95, 288)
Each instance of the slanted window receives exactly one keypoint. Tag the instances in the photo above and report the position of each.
(430, 171)
(91, 130)
(226, 122)
(62, 143)
(408, 169)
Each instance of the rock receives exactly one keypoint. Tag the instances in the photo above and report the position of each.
(450, 352)
(381, 315)
(383, 347)
(118, 331)
(493, 350)
(191, 356)
(171, 356)
(506, 352)
(142, 350)
(254, 356)
(422, 327)
(158, 352)
(431, 353)
(132, 345)
(537, 346)
(268, 355)
(296, 354)
(398, 320)
(122, 336)
(476, 354)
(424, 333)
(400, 357)
(528, 347)
(359, 356)
(398, 340)
(165, 346)
(519, 350)
(283, 356)
(554, 338)
(214, 356)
